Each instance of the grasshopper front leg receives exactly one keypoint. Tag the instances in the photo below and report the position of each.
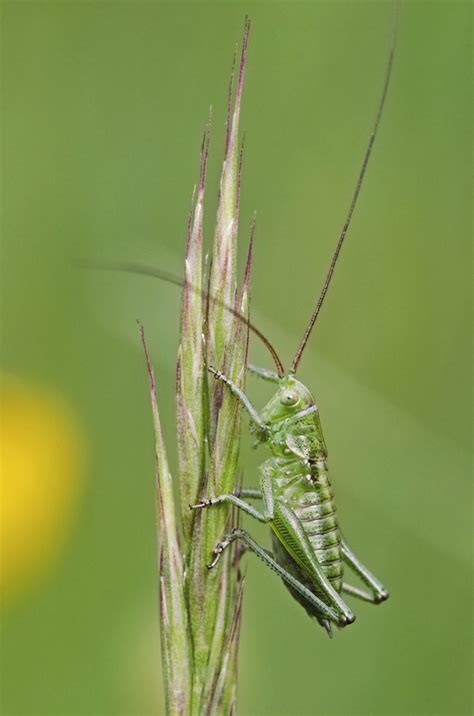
(239, 393)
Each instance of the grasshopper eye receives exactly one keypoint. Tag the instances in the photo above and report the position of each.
(289, 397)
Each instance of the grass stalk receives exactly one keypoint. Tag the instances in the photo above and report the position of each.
(201, 608)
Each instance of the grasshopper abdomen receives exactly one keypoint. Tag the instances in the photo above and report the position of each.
(323, 529)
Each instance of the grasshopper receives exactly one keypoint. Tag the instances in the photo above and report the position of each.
(309, 551)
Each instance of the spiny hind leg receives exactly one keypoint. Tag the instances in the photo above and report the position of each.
(243, 549)
(307, 555)
(360, 593)
(378, 593)
(326, 612)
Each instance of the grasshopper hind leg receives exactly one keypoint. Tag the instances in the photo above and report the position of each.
(313, 604)
(371, 597)
(378, 593)
(345, 615)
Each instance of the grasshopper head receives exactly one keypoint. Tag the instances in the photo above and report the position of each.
(291, 397)
(286, 437)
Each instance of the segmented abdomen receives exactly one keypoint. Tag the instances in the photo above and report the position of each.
(317, 512)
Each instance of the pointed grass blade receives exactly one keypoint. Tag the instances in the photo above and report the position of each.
(190, 370)
(174, 620)
(224, 259)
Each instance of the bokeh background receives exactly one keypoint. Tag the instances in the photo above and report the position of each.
(104, 105)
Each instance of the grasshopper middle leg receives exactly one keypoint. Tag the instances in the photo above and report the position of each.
(266, 495)
(233, 500)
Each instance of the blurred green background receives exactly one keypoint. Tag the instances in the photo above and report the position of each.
(103, 109)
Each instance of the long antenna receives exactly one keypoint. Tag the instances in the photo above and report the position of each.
(355, 196)
(168, 277)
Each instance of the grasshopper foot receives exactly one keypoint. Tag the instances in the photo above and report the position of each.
(217, 551)
(200, 505)
(382, 595)
(220, 547)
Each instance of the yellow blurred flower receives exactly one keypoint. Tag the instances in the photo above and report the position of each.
(40, 460)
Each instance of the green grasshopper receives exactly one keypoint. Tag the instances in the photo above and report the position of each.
(309, 551)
